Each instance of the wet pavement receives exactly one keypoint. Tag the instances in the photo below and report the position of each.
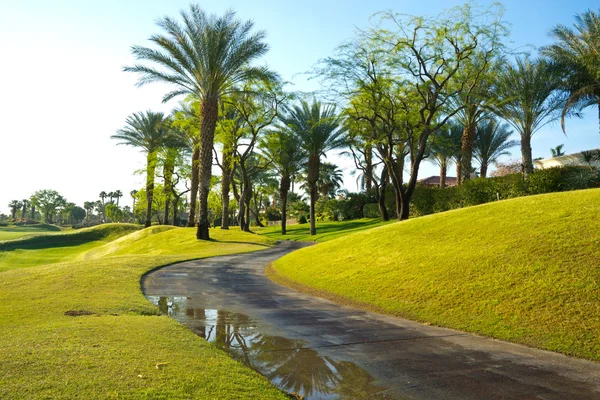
(323, 350)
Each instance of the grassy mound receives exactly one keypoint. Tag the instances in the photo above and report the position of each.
(10, 232)
(525, 270)
(84, 329)
(325, 230)
(51, 248)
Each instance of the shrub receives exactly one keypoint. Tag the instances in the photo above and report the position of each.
(302, 219)
(371, 210)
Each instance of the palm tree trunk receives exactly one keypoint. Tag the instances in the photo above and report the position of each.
(191, 221)
(483, 170)
(443, 171)
(526, 157)
(210, 112)
(369, 169)
(149, 186)
(225, 187)
(466, 152)
(284, 187)
(168, 187)
(32, 212)
(313, 177)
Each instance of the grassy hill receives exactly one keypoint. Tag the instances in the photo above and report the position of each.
(84, 329)
(35, 250)
(525, 270)
(325, 230)
(10, 232)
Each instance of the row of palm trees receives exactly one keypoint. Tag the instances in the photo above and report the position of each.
(112, 196)
(211, 60)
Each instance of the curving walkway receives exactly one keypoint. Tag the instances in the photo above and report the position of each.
(323, 350)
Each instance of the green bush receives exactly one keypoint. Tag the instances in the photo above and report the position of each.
(302, 219)
(429, 200)
(371, 210)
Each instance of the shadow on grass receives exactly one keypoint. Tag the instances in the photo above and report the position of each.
(327, 229)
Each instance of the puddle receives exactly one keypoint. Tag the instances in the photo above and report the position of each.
(288, 363)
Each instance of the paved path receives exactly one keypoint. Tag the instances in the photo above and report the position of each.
(323, 350)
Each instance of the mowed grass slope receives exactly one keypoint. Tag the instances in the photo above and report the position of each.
(35, 250)
(325, 230)
(525, 270)
(10, 232)
(112, 349)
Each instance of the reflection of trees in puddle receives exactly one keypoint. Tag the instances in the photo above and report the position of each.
(286, 362)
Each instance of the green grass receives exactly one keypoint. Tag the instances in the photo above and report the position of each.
(325, 230)
(113, 352)
(525, 270)
(31, 251)
(10, 232)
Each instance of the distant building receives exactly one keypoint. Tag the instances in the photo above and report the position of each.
(568, 160)
(435, 181)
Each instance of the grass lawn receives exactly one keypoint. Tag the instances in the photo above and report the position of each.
(16, 231)
(118, 346)
(325, 230)
(525, 270)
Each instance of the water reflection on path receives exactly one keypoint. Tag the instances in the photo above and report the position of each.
(288, 363)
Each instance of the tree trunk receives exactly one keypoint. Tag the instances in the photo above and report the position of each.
(225, 187)
(381, 202)
(32, 212)
(466, 152)
(284, 187)
(369, 169)
(195, 181)
(483, 170)
(443, 170)
(175, 206)
(527, 160)
(168, 187)
(458, 171)
(313, 177)
(210, 112)
(149, 186)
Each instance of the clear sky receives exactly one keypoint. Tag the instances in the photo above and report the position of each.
(63, 92)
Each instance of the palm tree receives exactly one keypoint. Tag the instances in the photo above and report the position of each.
(577, 55)
(111, 196)
(319, 130)
(528, 100)
(117, 194)
(283, 149)
(330, 180)
(588, 157)
(557, 151)
(149, 131)
(14, 206)
(491, 142)
(103, 195)
(445, 147)
(205, 58)
(24, 203)
(132, 194)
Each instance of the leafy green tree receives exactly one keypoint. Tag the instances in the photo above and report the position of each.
(528, 100)
(78, 214)
(48, 202)
(114, 213)
(576, 55)
(287, 157)
(150, 132)
(205, 58)
(492, 140)
(318, 130)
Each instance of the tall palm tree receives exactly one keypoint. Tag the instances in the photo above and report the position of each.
(577, 55)
(283, 149)
(132, 194)
(14, 206)
(103, 195)
(205, 58)
(528, 100)
(492, 140)
(150, 132)
(446, 147)
(117, 194)
(25, 204)
(319, 130)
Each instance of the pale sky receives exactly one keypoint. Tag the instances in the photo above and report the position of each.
(63, 92)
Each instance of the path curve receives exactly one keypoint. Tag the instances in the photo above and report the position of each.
(323, 350)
